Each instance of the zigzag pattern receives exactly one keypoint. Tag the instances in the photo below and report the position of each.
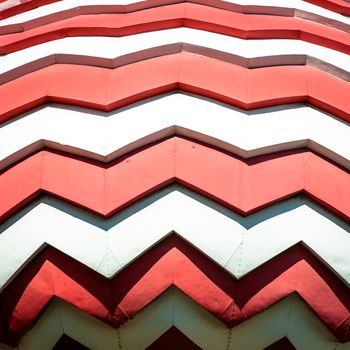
(222, 193)
(11, 8)
(108, 189)
(101, 50)
(172, 48)
(108, 136)
(287, 318)
(212, 78)
(232, 241)
(173, 262)
(67, 9)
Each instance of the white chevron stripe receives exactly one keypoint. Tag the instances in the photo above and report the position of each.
(112, 47)
(69, 4)
(238, 244)
(104, 136)
(289, 317)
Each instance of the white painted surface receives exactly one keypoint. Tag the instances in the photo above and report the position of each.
(238, 244)
(104, 136)
(68, 4)
(112, 47)
(290, 317)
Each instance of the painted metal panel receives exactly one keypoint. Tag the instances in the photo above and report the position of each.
(112, 265)
(273, 7)
(111, 52)
(174, 262)
(193, 73)
(309, 28)
(238, 244)
(173, 308)
(107, 136)
(234, 182)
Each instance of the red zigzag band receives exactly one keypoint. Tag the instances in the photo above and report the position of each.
(329, 33)
(338, 6)
(173, 262)
(107, 89)
(244, 185)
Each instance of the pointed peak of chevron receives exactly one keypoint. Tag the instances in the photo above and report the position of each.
(173, 339)
(282, 344)
(66, 342)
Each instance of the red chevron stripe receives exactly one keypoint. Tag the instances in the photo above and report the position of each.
(246, 88)
(328, 33)
(173, 262)
(244, 185)
(23, 7)
(339, 6)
